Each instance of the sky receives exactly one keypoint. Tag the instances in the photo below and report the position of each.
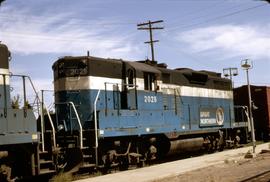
(198, 34)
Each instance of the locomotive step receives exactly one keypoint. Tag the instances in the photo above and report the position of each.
(87, 165)
(46, 171)
(46, 164)
(44, 155)
(67, 137)
(42, 161)
(84, 148)
(43, 152)
(87, 156)
(67, 141)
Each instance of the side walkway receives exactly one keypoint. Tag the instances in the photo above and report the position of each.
(175, 168)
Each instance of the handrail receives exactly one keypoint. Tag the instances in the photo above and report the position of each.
(42, 121)
(79, 122)
(96, 130)
(53, 129)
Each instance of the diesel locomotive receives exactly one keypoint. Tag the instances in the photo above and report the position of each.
(114, 113)
(124, 112)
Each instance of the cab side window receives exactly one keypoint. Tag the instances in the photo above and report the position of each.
(130, 74)
(149, 81)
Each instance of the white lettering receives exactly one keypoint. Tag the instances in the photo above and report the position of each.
(208, 121)
(205, 114)
(150, 99)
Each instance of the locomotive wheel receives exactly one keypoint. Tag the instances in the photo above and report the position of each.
(123, 163)
(141, 163)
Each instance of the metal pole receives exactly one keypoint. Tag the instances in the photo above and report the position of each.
(24, 91)
(251, 115)
(25, 104)
(231, 78)
(245, 65)
(230, 72)
(42, 121)
(5, 96)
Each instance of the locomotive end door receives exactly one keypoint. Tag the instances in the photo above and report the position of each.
(131, 90)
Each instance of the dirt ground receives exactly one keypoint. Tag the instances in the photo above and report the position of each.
(229, 171)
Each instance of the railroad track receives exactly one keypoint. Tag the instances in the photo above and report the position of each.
(261, 177)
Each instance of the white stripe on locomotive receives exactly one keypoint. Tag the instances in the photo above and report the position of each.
(196, 91)
(87, 82)
(4, 71)
(96, 83)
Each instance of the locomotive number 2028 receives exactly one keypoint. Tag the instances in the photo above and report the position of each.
(150, 99)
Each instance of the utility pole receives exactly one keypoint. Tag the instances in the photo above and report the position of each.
(148, 26)
(246, 65)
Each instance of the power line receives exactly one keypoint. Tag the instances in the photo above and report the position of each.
(206, 15)
(196, 12)
(218, 17)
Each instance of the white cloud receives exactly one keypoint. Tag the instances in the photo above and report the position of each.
(28, 34)
(230, 40)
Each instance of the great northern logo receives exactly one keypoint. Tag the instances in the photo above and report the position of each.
(219, 116)
(211, 116)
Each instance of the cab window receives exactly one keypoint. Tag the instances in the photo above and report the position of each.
(149, 81)
(73, 68)
(130, 74)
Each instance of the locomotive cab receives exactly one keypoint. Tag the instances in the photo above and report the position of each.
(139, 79)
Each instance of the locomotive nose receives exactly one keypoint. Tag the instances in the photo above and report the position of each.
(4, 79)
(4, 58)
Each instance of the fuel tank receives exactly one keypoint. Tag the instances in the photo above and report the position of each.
(185, 145)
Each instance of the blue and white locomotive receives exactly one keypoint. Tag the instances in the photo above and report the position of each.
(122, 112)
(20, 156)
